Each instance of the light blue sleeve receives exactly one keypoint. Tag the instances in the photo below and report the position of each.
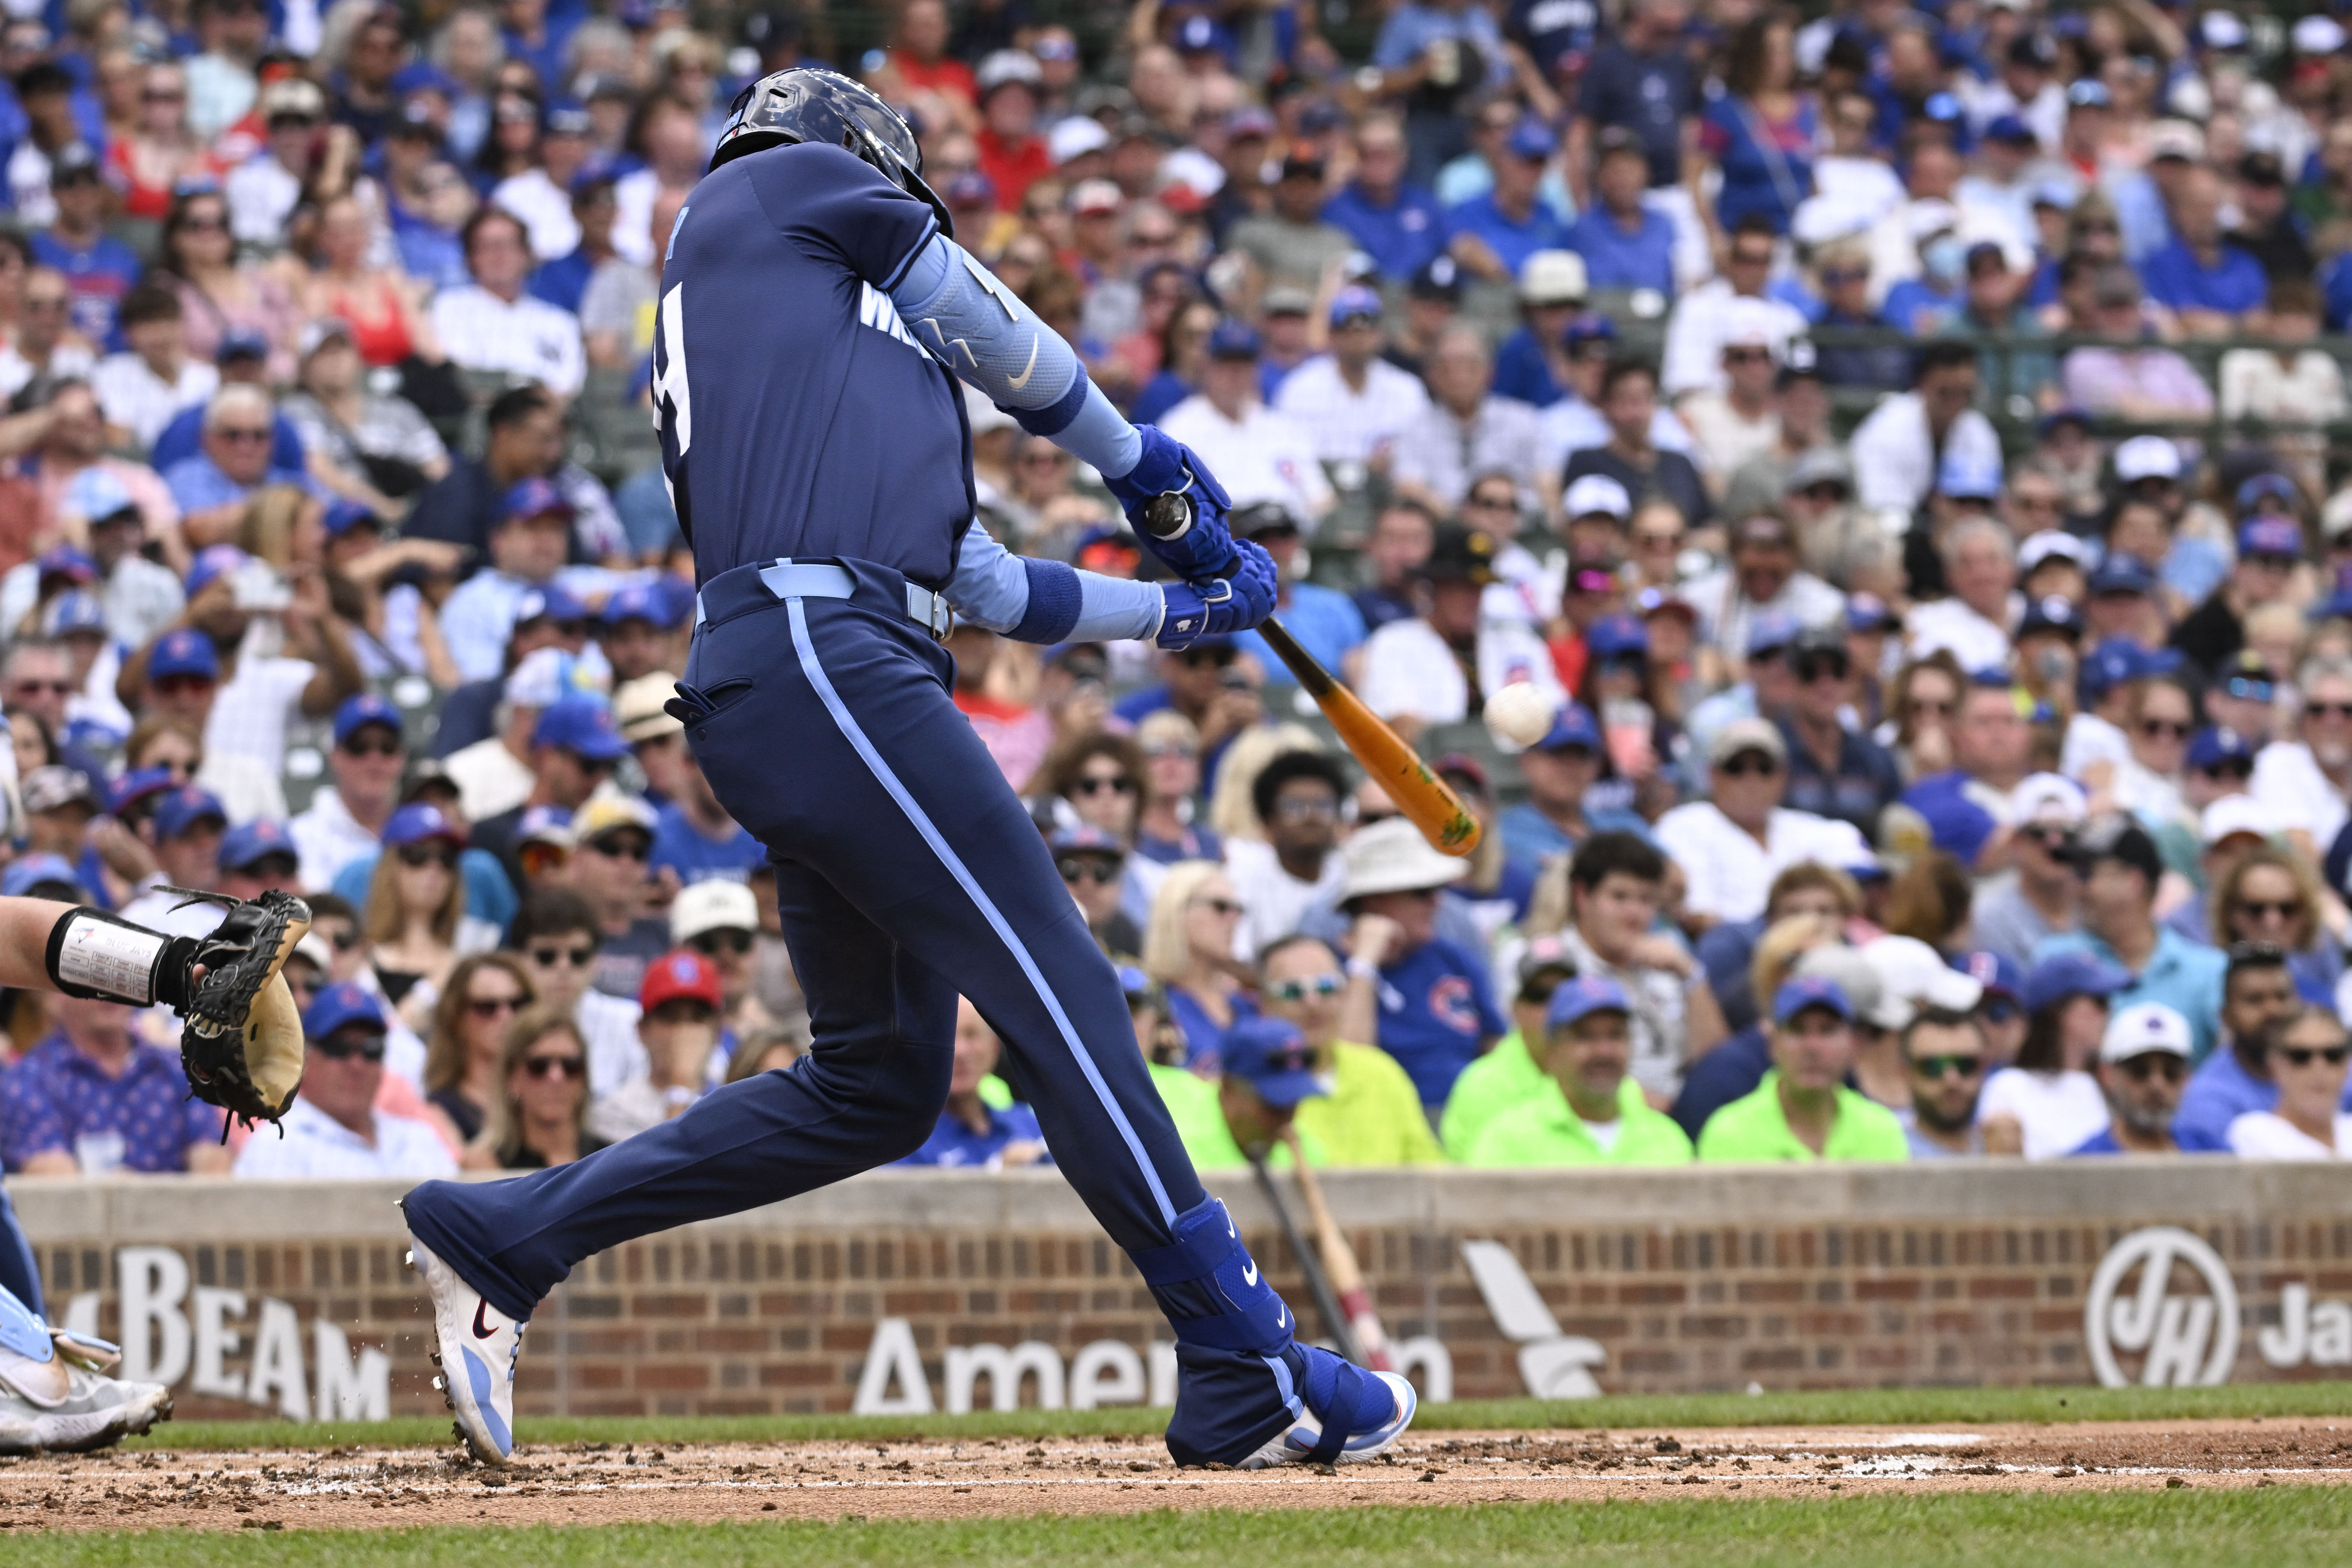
(966, 318)
(1030, 600)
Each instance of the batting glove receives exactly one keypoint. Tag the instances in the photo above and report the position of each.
(1204, 548)
(1220, 605)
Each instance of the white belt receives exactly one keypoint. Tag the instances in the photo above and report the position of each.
(789, 579)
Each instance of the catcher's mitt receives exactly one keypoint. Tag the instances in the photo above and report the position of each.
(242, 1047)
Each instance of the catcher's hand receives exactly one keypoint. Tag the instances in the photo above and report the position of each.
(242, 1047)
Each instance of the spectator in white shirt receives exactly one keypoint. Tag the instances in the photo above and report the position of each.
(1352, 403)
(1465, 431)
(1256, 453)
(140, 597)
(334, 1130)
(258, 696)
(1897, 450)
(1975, 619)
(1762, 579)
(2302, 778)
(1421, 672)
(2309, 1059)
(492, 324)
(1297, 798)
(1693, 356)
(143, 388)
(542, 195)
(1742, 419)
(1732, 846)
(346, 820)
(262, 191)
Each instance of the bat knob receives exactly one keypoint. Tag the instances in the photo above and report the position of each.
(1167, 514)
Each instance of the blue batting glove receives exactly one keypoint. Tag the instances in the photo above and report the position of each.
(1220, 605)
(1205, 548)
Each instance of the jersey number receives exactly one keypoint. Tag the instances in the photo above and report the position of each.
(669, 379)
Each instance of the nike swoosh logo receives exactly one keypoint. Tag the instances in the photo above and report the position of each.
(1249, 1274)
(479, 1331)
(1281, 1315)
(1018, 382)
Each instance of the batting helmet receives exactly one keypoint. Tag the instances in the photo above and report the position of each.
(808, 103)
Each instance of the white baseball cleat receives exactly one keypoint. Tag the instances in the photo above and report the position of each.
(1374, 1407)
(478, 1347)
(63, 1402)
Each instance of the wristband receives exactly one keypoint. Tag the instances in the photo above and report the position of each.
(1363, 969)
(100, 957)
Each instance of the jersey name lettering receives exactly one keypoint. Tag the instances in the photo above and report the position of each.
(875, 309)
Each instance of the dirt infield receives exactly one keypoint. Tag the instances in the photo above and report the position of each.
(598, 1483)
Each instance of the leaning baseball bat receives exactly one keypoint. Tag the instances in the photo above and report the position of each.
(1334, 1322)
(1339, 1260)
(1422, 795)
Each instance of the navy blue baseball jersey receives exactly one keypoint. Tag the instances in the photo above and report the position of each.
(798, 417)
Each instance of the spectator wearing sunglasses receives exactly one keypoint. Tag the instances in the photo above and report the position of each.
(2301, 778)
(613, 834)
(2244, 699)
(415, 907)
(574, 746)
(540, 1117)
(2309, 1059)
(1369, 1113)
(1093, 864)
(2271, 895)
(1945, 1054)
(1588, 1110)
(1731, 847)
(718, 922)
(1188, 947)
(2257, 992)
(556, 936)
(2143, 1067)
(334, 1129)
(346, 820)
(1834, 771)
(468, 1023)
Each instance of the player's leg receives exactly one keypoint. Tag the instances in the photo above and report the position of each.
(54, 1391)
(868, 1092)
(917, 826)
(20, 1272)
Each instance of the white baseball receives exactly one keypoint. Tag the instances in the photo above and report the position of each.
(1521, 713)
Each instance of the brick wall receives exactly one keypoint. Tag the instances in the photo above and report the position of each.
(1681, 1281)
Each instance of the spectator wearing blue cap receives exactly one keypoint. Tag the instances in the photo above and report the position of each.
(2120, 867)
(2270, 548)
(89, 1100)
(183, 830)
(346, 820)
(2046, 1102)
(972, 1134)
(1590, 1109)
(108, 497)
(527, 549)
(1802, 1111)
(1351, 402)
(573, 747)
(333, 1129)
(1561, 770)
(1395, 222)
(43, 876)
(1493, 235)
(1625, 243)
(1257, 453)
(638, 629)
(1268, 1071)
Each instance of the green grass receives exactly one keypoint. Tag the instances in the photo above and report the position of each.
(2279, 1527)
(1867, 1406)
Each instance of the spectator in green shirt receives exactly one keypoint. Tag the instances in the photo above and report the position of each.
(1804, 1110)
(1370, 1114)
(1507, 1075)
(1268, 1072)
(1588, 1110)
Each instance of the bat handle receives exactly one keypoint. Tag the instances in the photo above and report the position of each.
(1168, 514)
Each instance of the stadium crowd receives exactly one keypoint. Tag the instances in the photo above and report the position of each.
(1896, 444)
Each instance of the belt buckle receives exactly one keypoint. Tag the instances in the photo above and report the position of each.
(942, 618)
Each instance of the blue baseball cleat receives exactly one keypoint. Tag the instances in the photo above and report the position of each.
(1345, 1414)
(479, 1345)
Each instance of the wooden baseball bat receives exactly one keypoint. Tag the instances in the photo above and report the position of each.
(1425, 798)
(1326, 1306)
(1340, 1262)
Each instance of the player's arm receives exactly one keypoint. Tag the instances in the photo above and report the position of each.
(979, 328)
(1036, 601)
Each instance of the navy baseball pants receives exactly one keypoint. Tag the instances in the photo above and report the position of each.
(907, 873)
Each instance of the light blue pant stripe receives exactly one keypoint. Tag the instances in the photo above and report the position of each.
(815, 670)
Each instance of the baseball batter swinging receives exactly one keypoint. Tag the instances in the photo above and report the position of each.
(815, 314)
